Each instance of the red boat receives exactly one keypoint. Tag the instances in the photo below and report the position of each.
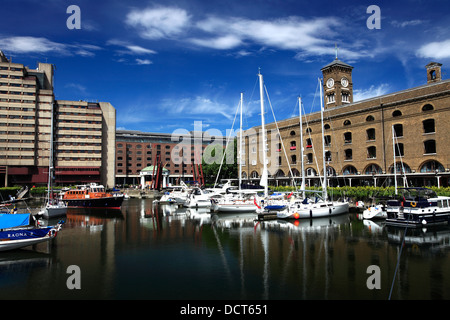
(92, 196)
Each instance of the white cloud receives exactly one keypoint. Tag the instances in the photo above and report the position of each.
(403, 24)
(31, 44)
(143, 61)
(198, 106)
(225, 42)
(27, 44)
(435, 50)
(159, 22)
(373, 91)
(131, 48)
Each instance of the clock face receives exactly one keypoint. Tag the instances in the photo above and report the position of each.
(344, 82)
(330, 83)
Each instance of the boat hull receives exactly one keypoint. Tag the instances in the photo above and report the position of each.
(229, 208)
(54, 211)
(20, 238)
(314, 212)
(418, 219)
(96, 203)
(375, 212)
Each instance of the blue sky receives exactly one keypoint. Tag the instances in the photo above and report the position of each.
(165, 64)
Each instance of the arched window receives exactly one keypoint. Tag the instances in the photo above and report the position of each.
(279, 173)
(310, 172)
(432, 166)
(254, 174)
(427, 107)
(396, 113)
(292, 133)
(349, 170)
(326, 126)
(331, 171)
(347, 122)
(308, 130)
(400, 168)
(370, 118)
(294, 172)
(373, 169)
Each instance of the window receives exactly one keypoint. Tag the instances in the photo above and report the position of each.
(349, 170)
(308, 130)
(347, 137)
(293, 159)
(348, 154)
(433, 74)
(309, 158)
(327, 140)
(427, 107)
(396, 113)
(292, 133)
(331, 98)
(326, 127)
(428, 126)
(310, 172)
(293, 145)
(399, 150)
(398, 130)
(432, 166)
(328, 156)
(429, 146)
(373, 169)
(347, 122)
(345, 97)
(308, 143)
(370, 118)
(371, 153)
(370, 134)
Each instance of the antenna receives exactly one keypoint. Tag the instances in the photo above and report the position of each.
(336, 49)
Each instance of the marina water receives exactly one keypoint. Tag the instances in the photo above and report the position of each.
(163, 252)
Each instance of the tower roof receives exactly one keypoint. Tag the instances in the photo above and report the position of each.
(336, 62)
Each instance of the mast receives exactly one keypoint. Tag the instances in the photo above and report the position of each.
(324, 183)
(301, 146)
(395, 165)
(264, 174)
(50, 160)
(240, 145)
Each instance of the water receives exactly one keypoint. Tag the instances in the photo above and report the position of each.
(142, 252)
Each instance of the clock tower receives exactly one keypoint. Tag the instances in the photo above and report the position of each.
(337, 83)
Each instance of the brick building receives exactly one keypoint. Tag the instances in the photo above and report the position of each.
(178, 153)
(358, 136)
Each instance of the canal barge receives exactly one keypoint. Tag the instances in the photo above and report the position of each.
(92, 196)
(418, 207)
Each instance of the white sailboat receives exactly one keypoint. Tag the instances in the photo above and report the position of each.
(53, 207)
(309, 208)
(237, 201)
(379, 211)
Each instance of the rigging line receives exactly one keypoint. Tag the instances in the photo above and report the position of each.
(248, 103)
(282, 144)
(226, 146)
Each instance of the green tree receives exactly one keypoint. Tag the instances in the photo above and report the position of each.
(213, 156)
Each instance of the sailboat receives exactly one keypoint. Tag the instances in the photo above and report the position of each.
(53, 207)
(379, 211)
(237, 201)
(309, 208)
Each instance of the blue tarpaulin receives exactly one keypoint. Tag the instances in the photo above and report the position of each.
(14, 220)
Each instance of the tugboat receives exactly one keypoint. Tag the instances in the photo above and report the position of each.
(418, 207)
(92, 196)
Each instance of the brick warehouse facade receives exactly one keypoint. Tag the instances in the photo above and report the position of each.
(83, 132)
(358, 136)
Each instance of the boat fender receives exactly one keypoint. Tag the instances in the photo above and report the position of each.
(413, 204)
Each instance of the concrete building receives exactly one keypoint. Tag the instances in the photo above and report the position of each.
(358, 136)
(83, 132)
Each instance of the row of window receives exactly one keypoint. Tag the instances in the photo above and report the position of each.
(430, 166)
